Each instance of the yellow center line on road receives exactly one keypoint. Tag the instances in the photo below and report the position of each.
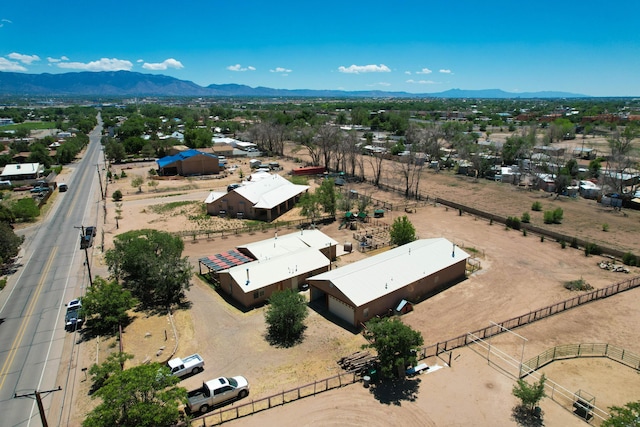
(23, 327)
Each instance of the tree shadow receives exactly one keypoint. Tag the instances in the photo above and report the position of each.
(289, 341)
(395, 391)
(525, 417)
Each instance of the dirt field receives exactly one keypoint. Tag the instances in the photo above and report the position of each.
(519, 274)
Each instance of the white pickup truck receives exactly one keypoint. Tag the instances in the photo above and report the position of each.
(189, 365)
(217, 391)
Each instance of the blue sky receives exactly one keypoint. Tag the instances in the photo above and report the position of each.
(585, 47)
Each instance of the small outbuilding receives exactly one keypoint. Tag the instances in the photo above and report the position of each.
(189, 163)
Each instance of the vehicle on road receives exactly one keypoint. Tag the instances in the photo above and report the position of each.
(73, 319)
(74, 303)
(189, 365)
(86, 240)
(216, 392)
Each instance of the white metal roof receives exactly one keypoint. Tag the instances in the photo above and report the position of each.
(259, 274)
(374, 277)
(292, 242)
(213, 196)
(270, 192)
(22, 169)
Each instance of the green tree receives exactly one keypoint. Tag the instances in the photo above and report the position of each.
(394, 342)
(327, 196)
(285, 318)
(25, 209)
(149, 263)
(105, 306)
(141, 396)
(117, 196)
(9, 243)
(402, 231)
(525, 413)
(309, 206)
(115, 151)
(136, 182)
(112, 365)
(625, 416)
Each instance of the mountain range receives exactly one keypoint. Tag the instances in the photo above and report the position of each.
(128, 83)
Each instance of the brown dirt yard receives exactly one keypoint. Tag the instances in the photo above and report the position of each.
(519, 274)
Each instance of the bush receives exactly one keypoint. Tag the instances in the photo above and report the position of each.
(117, 196)
(592, 249)
(605, 227)
(3, 283)
(513, 222)
(630, 259)
(526, 218)
(123, 174)
(563, 244)
(554, 216)
(577, 285)
(536, 206)
(574, 243)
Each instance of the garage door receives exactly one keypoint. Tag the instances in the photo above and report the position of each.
(342, 310)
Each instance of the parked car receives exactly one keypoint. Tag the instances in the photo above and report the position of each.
(73, 319)
(189, 365)
(217, 391)
(62, 187)
(90, 230)
(74, 303)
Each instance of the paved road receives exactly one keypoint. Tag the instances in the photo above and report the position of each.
(51, 271)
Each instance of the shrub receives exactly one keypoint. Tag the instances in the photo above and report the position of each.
(574, 243)
(605, 227)
(524, 232)
(123, 174)
(3, 283)
(554, 216)
(526, 218)
(513, 222)
(563, 244)
(117, 196)
(630, 259)
(578, 285)
(592, 249)
(536, 206)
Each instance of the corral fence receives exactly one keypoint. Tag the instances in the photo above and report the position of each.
(254, 228)
(228, 414)
(571, 351)
(580, 403)
(525, 319)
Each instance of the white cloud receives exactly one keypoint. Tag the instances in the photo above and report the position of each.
(103, 64)
(238, 67)
(25, 59)
(421, 82)
(424, 71)
(445, 71)
(357, 69)
(167, 63)
(4, 21)
(408, 73)
(55, 60)
(280, 70)
(6, 65)
(381, 84)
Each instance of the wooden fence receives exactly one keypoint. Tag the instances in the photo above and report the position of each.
(525, 319)
(227, 414)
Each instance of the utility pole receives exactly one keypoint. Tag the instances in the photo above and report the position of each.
(86, 253)
(37, 394)
(100, 180)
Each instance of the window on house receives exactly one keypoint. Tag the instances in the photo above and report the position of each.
(365, 312)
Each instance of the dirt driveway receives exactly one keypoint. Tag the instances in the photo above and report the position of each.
(519, 274)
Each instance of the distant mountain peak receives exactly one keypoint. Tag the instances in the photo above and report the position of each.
(129, 83)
